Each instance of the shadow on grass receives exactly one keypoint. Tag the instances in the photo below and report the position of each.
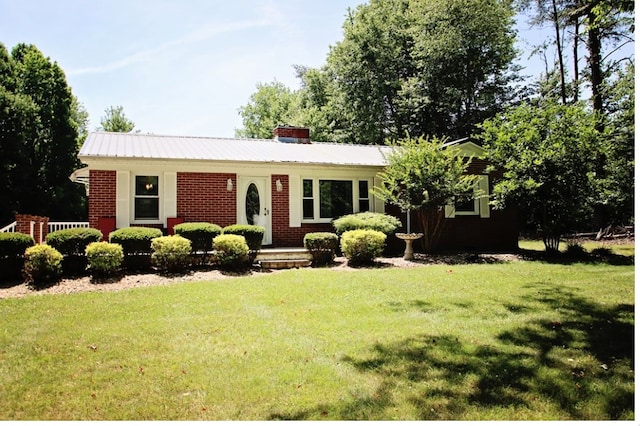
(574, 362)
(564, 258)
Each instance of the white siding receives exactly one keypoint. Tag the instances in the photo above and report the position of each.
(169, 195)
(122, 199)
(295, 201)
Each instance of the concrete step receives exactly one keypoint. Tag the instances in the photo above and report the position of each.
(284, 253)
(284, 263)
(283, 258)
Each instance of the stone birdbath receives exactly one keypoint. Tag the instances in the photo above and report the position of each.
(408, 240)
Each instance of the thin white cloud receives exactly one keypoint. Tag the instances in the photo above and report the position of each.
(194, 37)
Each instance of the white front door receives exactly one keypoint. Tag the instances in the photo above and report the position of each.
(254, 203)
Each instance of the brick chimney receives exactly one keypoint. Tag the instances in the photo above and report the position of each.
(289, 134)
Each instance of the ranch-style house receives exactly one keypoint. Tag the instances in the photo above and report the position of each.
(289, 185)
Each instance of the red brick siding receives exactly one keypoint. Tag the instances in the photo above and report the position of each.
(283, 235)
(23, 226)
(203, 197)
(102, 195)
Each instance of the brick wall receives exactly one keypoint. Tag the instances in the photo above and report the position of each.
(203, 197)
(40, 226)
(102, 195)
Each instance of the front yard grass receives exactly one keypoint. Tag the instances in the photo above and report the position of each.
(511, 341)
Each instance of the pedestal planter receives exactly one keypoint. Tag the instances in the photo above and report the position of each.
(408, 240)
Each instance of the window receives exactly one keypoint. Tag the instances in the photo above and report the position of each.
(336, 198)
(474, 203)
(307, 199)
(326, 199)
(363, 196)
(147, 200)
(467, 204)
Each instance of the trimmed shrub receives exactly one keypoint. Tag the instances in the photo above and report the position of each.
(171, 253)
(73, 241)
(367, 220)
(136, 245)
(12, 247)
(13, 244)
(42, 265)
(362, 246)
(252, 234)
(201, 234)
(135, 239)
(231, 251)
(104, 258)
(322, 246)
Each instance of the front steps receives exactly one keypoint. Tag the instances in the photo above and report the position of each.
(283, 258)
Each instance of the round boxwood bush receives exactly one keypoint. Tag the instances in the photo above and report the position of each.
(135, 239)
(231, 251)
(104, 258)
(253, 235)
(322, 246)
(13, 244)
(362, 246)
(367, 220)
(136, 245)
(73, 241)
(201, 234)
(12, 247)
(171, 254)
(42, 265)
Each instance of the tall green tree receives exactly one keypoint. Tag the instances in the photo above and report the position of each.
(423, 176)
(547, 153)
(422, 67)
(115, 120)
(616, 185)
(39, 137)
(271, 105)
(436, 67)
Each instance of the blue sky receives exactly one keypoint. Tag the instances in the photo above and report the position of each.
(181, 67)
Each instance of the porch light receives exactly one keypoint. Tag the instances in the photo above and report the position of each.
(278, 185)
(229, 185)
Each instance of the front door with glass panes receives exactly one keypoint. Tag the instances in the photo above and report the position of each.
(254, 206)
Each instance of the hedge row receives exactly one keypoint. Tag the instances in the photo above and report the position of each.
(360, 236)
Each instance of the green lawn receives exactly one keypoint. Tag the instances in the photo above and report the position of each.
(523, 340)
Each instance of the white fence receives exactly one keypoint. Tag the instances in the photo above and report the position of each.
(57, 226)
(10, 227)
(53, 226)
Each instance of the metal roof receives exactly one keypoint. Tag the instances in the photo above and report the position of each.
(147, 146)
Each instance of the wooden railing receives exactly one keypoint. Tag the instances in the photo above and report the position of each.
(57, 226)
(10, 227)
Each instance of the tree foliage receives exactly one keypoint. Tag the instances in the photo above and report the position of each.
(422, 67)
(548, 156)
(38, 137)
(422, 175)
(115, 120)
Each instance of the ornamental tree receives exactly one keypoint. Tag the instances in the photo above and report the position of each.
(423, 175)
(547, 152)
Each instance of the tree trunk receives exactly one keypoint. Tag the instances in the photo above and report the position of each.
(432, 222)
(556, 23)
(576, 69)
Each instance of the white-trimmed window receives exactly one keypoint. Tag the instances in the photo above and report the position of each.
(468, 204)
(326, 199)
(476, 203)
(146, 201)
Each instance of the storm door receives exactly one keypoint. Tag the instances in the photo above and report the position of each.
(254, 204)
